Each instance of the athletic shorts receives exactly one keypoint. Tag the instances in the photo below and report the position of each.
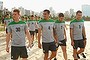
(32, 32)
(48, 46)
(36, 30)
(78, 43)
(18, 52)
(61, 43)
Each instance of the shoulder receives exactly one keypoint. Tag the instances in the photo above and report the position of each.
(57, 21)
(20, 22)
(50, 20)
(73, 21)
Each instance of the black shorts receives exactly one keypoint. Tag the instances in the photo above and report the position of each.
(61, 43)
(36, 30)
(78, 43)
(48, 46)
(32, 32)
(18, 52)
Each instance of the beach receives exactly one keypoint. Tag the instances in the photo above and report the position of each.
(37, 54)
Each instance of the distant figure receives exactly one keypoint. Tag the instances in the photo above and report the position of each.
(36, 27)
(7, 20)
(78, 35)
(31, 25)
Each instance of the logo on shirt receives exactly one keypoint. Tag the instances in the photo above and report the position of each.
(17, 29)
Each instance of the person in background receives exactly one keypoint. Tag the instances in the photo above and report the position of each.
(36, 30)
(7, 20)
(31, 25)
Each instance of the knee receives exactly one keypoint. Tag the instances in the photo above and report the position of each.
(54, 54)
(46, 55)
(64, 51)
(82, 50)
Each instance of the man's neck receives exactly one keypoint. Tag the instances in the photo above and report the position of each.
(17, 20)
(47, 19)
(60, 20)
(78, 19)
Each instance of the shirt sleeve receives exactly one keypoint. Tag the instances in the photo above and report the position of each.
(71, 25)
(4, 21)
(55, 27)
(26, 27)
(9, 29)
(39, 25)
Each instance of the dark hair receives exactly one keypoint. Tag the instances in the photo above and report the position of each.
(47, 11)
(7, 14)
(61, 15)
(22, 16)
(32, 16)
(78, 12)
(16, 10)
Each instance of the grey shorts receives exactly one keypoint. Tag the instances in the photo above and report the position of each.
(48, 46)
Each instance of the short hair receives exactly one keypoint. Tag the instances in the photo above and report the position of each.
(32, 15)
(47, 11)
(22, 16)
(78, 12)
(35, 15)
(61, 15)
(16, 10)
(7, 14)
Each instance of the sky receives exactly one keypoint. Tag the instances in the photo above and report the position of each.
(40, 5)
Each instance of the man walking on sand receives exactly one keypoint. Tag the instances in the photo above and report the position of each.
(46, 26)
(18, 29)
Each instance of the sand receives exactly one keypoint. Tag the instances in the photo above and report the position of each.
(37, 54)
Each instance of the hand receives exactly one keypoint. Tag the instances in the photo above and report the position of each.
(7, 49)
(30, 45)
(39, 45)
(66, 39)
(72, 43)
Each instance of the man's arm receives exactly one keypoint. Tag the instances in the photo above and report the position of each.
(71, 36)
(55, 35)
(28, 37)
(4, 25)
(39, 37)
(7, 41)
(65, 34)
(84, 33)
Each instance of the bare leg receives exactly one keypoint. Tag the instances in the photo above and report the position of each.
(75, 54)
(53, 54)
(46, 56)
(64, 52)
(80, 51)
(24, 58)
